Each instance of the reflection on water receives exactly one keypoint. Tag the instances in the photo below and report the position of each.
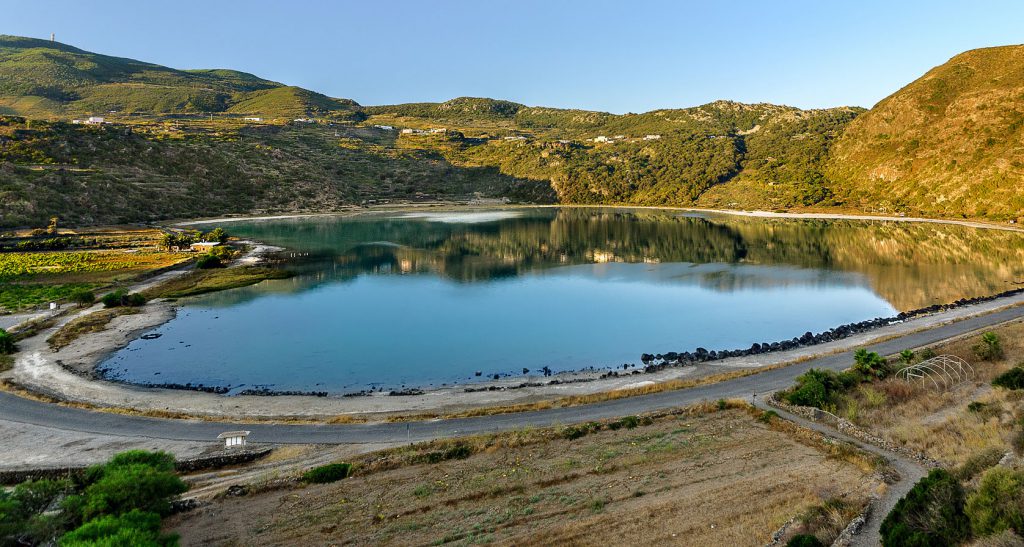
(428, 298)
(910, 265)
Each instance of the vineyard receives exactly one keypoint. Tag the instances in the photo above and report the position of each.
(17, 266)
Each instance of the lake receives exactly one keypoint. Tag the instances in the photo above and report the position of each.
(422, 299)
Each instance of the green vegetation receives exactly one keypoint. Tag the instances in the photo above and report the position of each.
(328, 473)
(990, 348)
(932, 513)
(804, 540)
(947, 144)
(205, 281)
(7, 345)
(208, 261)
(122, 297)
(82, 297)
(1011, 379)
(822, 388)
(998, 503)
(116, 504)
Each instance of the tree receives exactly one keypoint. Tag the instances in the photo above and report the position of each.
(932, 513)
(217, 234)
(7, 345)
(990, 347)
(907, 356)
(82, 297)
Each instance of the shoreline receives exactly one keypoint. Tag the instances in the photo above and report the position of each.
(72, 374)
(754, 213)
(65, 376)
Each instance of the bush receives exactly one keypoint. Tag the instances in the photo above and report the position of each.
(134, 528)
(819, 387)
(907, 356)
(122, 297)
(869, 364)
(1011, 379)
(328, 473)
(804, 540)
(932, 513)
(978, 463)
(208, 261)
(82, 297)
(131, 480)
(990, 348)
(767, 416)
(998, 504)
(7, 345)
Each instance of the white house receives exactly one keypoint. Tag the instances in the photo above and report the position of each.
(602, 138)
(94, 120)
(233, 439)
(254, 119)
(304, 120)
(385, 127)
(651, 137)
(407, 131)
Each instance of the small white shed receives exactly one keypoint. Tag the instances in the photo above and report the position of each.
(233, 439)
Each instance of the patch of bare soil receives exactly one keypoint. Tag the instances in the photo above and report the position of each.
(721, 478)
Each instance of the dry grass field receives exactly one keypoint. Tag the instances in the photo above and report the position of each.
(702, 477)
(939, 422)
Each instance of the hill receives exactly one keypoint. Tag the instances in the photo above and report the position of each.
(43, 79)
(950, 143)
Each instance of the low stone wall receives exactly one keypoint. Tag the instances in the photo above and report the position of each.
(206, 461)
(847, 428)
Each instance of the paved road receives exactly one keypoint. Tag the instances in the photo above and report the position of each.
(17, 409)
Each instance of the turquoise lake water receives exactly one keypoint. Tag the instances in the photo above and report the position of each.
(426, 299)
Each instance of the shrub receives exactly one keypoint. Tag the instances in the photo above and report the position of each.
(328, 473)
(869, 364)
(1011, 379)
(122, 297)
(927, 353)
(990, 348)
(819, 387)
(131, 480)
(978, 463)
(629, 422)
(767, 416)
(907, 356)
(804, 540)
(82, 297)
(134, 528)
(7, 345)
(932, 513)
(998, 504)
(208, 261)
(722, 405)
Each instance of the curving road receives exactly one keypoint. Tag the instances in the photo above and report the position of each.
(17, 409)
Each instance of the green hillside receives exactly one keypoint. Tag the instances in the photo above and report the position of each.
(43, 79)
(719, 154)
(951, 143)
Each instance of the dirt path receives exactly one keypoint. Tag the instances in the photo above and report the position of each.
(910, 471)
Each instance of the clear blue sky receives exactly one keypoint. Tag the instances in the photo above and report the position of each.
(624, 56)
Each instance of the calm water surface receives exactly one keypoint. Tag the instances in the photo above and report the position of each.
(420, 299)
